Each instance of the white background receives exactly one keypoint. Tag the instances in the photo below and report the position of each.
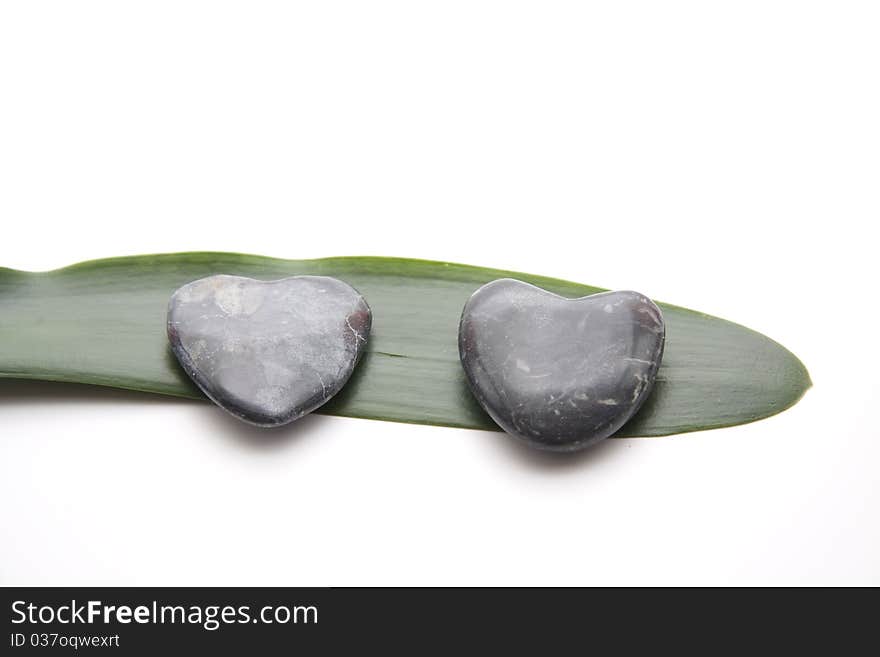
(721, 156)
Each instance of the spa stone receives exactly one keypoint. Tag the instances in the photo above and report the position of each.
(557, 373)
(268, 351)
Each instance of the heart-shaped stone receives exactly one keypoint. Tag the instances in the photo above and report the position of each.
(560, 374)
(268, 351)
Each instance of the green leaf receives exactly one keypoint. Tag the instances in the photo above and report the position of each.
(103, 323)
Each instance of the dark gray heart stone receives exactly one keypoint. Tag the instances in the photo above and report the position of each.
(268, 351)
(560, 374)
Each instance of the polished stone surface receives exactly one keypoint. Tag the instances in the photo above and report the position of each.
(268, 351)
(560, 374)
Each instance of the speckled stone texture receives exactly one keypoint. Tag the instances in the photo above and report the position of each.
(559, 374)
(268, 351)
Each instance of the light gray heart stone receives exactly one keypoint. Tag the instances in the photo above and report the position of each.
(268, 351)
(559, 374)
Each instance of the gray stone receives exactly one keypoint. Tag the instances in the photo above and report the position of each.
(268, 351)
(559, 374)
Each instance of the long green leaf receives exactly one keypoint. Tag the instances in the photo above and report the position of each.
(103, 322)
